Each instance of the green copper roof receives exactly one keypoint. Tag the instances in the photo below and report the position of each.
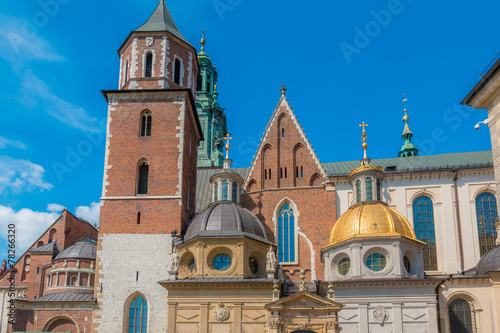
(161, 20)
(418, 163)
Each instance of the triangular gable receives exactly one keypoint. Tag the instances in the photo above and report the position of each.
(283, 107)
(304, 297)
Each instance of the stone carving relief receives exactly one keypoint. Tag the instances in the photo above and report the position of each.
(149, 41)
(221, 312)
(380, 314)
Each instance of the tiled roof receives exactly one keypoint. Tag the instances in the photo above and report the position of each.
(66, 297)
(418, 163)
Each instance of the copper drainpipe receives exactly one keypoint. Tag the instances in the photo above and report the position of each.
(458, 223)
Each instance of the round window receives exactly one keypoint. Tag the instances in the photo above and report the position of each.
(254, 266)
(343, 266)
(222, 262)
(191, 265)
(407, 264)
(376, 262)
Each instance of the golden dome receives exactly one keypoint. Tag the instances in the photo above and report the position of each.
(370, 219)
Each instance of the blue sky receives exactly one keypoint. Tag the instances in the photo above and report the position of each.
(342, 62)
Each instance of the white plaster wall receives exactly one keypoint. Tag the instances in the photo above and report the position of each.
(121, 257)
(4, 307)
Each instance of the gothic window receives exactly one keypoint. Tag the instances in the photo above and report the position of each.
(282, 132)
(138, 318)
(269, 173)
(281, 172)
(72, 280)
(286, 234)
(285, 172)
(379, 189)
(369, 188)
(462, 316)
(358, 190)
(143, 175)
(149, 65)
(301, 172)
(146, 123)
(224, 190)
(40, 243)
(423, 223)
(216, 191)
(297, 172)
(486, 213)
(52, 234)
(199, 82)
(265, 174)
(234, 193)
(177, 71)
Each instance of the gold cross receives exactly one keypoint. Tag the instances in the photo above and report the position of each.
(363, 135)
(227, 138)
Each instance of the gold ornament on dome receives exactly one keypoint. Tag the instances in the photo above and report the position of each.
(366, 168)
(371, 220)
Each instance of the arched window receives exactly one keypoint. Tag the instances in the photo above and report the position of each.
(282, 132)
(234, 193)
(358, 190)
(216, 191)
(177, 71)
(142, 186)
(269, 173)
(208, 83)
(301, 172)
(72, 280)
(138, 318)
(462, 316)
(146, 124)
(149, 65)
(423, 223)
(486, 213)
(52, 233)
(369, 188)
(379, 189)
(224, 190)
(286, 234)
(40, 243)
(199, 83)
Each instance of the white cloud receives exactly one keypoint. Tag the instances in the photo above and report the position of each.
(89, 213)
(29, 225)
(34, 91)
(56, 208)
(4, 143)
(21, 175)
(20, 44)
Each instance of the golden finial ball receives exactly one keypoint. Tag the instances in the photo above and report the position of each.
(202, 41)
(364, 145)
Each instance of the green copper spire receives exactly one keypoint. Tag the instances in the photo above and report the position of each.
(212, 117)
(161, 20)
(408, 148)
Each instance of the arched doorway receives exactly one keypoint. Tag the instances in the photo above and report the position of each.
(62, 324)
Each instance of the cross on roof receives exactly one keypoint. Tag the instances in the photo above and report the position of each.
(283, 90)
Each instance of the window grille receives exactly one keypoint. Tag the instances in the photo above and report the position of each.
(462, 316)
(486, 213)
(423, 223)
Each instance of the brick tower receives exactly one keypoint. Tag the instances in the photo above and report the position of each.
(149, 173)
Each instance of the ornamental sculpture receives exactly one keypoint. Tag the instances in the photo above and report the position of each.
(271, 261)
(380, 314)
(173, 261)
(221, 312)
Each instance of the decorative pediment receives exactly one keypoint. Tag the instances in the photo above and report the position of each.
(303, 301)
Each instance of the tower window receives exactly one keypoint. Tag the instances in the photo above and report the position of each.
(209, 77)
(177, 71)
(282, 132)
(138, 217)
(369, 188)
(265, 174)
(142, 187)
(149, 65)
(269, 173)
(216, 191)
(301, 172)
(358, 190)
(423, 223)
(486, 213)
(146, 124)
(224, 190)
(199, 82)
(234, 194)
(379, 189)
(285, 172)
(297, 172)
(281, 172)
(125, 72)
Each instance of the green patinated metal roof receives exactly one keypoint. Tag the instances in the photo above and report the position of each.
(418, 163)
(161, 20)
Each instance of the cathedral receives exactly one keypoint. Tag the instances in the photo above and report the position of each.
(186, 243)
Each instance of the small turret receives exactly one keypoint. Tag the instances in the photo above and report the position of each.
(408, 148)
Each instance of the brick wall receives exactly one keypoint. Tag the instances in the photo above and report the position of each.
(62, 319)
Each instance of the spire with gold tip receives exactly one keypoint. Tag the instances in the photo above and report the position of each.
(408, 148)
(366, 165)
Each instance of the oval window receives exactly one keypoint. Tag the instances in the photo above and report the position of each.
(343, 266)
(376, 262)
